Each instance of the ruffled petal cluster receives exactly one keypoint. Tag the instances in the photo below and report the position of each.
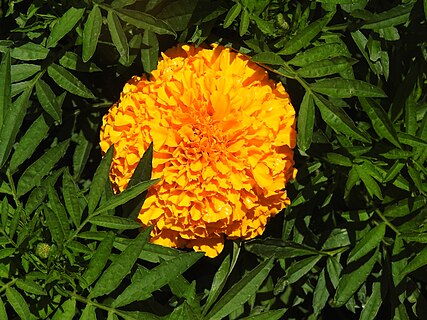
(223, 134)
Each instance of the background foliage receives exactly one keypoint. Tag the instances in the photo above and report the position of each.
(352, 244)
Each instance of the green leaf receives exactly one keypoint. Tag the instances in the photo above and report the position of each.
(150, 54)
(304, 36)
(353, 178)
(13, 117)
(390, 18)
(419, 261)
(91, 33)
(118, 36)
(117, 271)
(29, 142)
(393, 172)
(346, 88)
(320, 294)
(82, 152)
(29, 51)
(244, 22)
(268, 58)
(68, 81)
(3, 314)
(64, 25)
(98, 261)
(88, 313)
(305, 122)
(370, 184)
(339, 159)
(23, 71)
(368, 243)
(267, 315)
(318, 53)
(125, 196)
(240, 292)
(100, 179)
(279, 249)
(70, 192)
(405, 207)
(232, 14)
(410, 140)
(66, 311)
(30, 286)
(178, 14)
(338, 120)
(156, 278)
(48, 100)
(350, 282)
(145, 21)
(114, 222)
(326, 67)
(334, 269)
(380, 120)
(373, 304)
(72, 61)
(18, 303)
(33, 175)
(55, 225)
(5, 86)
(300, 268)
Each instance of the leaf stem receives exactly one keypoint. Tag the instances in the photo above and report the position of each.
(387, 222)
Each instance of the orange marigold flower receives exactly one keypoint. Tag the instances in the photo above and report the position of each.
(223, 134)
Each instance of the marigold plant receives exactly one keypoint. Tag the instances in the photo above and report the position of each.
(223, 134)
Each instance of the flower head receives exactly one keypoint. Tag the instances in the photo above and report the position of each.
(223, 134)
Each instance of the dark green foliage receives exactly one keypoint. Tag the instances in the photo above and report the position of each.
(352, 245)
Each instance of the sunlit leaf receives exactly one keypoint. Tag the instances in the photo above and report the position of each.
(91, 33)
(68, 81)
(64, 25)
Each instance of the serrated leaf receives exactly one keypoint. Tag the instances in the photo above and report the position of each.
(13, 117)
(70, 192)
(64, 25)
(304, 36)
(350, 282)
(390, 18)
(346, 88)
(71, 60)
(118, 36)
(368, 243)
(380, 120)
(117, 271)
(29, 51)
(125, 196)
(88, 313)
(326, 67)
(268, 58)
(419, 261)
(369, 182)
(3, 314)
(338, 120)
(324, 51)
(145, 21)
(30, 286)
(244, 22)
(66, 311)
(279, 249)
(98, 261)
(55, 225)
(156, 278)
(100, 179)
(267, 315)
(33, 175)
(321, 293)
(18, 303)
(48, 100)
(114, 222)
(91, 33)
(150, 54)
(373, 303)
(232, 14)
(23, 71)
(5, 86)
(68, 81)
(240, 292)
